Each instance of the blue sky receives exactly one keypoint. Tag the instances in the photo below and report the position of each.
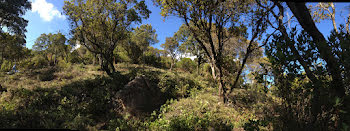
(46, 17)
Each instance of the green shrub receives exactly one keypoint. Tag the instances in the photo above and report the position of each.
(152, 60)
(47, 74)
(6, 66)
(174, 85)
(198, 112)
(63, 64)
(186, 64)
(39, 62)
(165, 62)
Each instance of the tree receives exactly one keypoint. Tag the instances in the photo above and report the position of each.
(307, 56)
(186, 64)
(208, 18)
(189, 44)
(212, 23)
(11, 47)
(11, 16)
(13, 38)
(138, 42)
(326, 53)
(101, 25)
(171, 46)
(53, 45)
(324, 11)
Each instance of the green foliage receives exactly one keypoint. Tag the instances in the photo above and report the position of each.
(101, 25)
(53, 45)
(152, 57)
(304, 82)
(11, 16)
(47, 74)
(201, 111)
(63, 64)
(138, 42)
(12, 47)
(6, 66)
(166, 62)
(171, 47)
(186, 64)
(175, 85)
(78, 105)
(253, 125)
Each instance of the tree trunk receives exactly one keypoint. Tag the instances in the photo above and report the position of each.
(212, 67)
(107, 65)
(99, 59)
(333, 18)
(199, 64)
(347, 25)
(222, 88)
(303, 16)
(171, 64)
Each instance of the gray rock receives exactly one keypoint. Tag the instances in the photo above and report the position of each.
(139, 97)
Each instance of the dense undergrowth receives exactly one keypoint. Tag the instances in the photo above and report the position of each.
(81, 97)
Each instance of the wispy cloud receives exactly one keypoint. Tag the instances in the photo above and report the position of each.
(47, 11)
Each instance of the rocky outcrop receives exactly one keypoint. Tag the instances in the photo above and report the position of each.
(139, 97)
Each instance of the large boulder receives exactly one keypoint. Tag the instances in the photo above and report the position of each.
(140, 97)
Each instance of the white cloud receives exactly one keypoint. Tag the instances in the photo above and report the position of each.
(47, 11)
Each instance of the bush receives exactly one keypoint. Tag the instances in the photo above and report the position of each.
(63, 64)
(198, 112)
(6, 66)
(47, 74)
(39, 62)
(186, 64)
(165, 62)
(174, 85)
(152, 60)
(81, 105)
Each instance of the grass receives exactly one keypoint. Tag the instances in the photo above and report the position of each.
(82, 97)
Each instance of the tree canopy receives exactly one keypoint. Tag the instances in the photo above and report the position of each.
(101, 25)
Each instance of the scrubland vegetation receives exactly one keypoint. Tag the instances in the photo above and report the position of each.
(107, 75)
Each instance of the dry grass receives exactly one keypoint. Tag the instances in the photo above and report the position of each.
(31, 80)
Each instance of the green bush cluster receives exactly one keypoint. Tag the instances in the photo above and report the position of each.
(198, 112)
(186, 64)
(78, 105)
(175, 85)
(6, 65)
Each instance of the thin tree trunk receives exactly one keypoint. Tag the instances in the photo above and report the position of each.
(222, 88)
(199, 63)
(171, 65)
(347, 25)
(333, 18)
(213, 72)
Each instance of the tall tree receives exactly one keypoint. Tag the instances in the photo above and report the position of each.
(138, 42)
(11, 47)
(101, 25)
(189, 44)
(11, 12)
(53, 45)
(209, 19)
(309, 54)
(326, 51)
(12, 26)
(171, 47)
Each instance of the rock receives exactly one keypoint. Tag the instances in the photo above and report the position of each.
(140, 97)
